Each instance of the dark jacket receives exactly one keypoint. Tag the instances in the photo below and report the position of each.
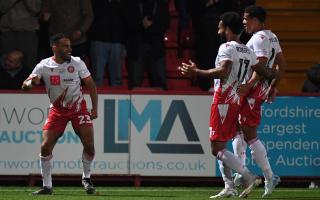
(137, 35)
(68, 16)
(19, 15)
(109, 21)
(7, 82)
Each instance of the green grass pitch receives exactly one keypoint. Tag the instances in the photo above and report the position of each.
(150, 193)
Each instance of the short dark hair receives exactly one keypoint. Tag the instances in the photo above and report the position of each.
(233, 21)
(54, 39)
(257, 12)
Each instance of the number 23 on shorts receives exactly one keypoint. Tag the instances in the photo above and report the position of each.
(84, 119)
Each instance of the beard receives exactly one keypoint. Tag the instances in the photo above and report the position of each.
(65, 57)
(68, 58)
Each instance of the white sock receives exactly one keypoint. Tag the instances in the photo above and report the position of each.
(232, 162)
(259, 154)
(226, 175)
(46, 168)
(239, 148)
(86, 162)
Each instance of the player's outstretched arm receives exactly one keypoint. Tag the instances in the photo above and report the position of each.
(91, 86)
(30, 81)
(220, 72)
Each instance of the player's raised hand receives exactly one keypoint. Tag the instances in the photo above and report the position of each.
(30, 81)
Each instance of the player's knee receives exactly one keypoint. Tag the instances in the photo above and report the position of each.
(46, 150)
(89, 150)
(214, 152)
(214, 149)
(250, 137)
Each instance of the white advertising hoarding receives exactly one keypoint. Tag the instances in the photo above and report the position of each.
(169, 135)
(21, 119)
(160, 135)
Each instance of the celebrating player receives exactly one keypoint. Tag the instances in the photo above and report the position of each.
(266, 46)
(62, 75)
(234, 61)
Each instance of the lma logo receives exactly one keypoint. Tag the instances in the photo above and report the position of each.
(159, 130)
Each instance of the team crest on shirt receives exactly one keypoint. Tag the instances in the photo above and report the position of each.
(223, 110)
(70, 69)
(251, 102)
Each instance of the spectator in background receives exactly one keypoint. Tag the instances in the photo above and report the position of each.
(12, 71)
(184, 32)
(18, 26)
(147, 22)
(205, 15)
(44, 49)
(107, 35)
(71, 17)
(312, 84)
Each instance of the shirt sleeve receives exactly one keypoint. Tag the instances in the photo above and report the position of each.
(277, 45)
(254, 59)
(225, 53)
(260, 45)
(83, 70)
(38, 70)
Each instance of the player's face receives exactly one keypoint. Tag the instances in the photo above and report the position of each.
(63, 49)
(222, 32)
(248, 23)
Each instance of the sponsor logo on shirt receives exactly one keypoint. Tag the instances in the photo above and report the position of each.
(68, 80)
(54, 79)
